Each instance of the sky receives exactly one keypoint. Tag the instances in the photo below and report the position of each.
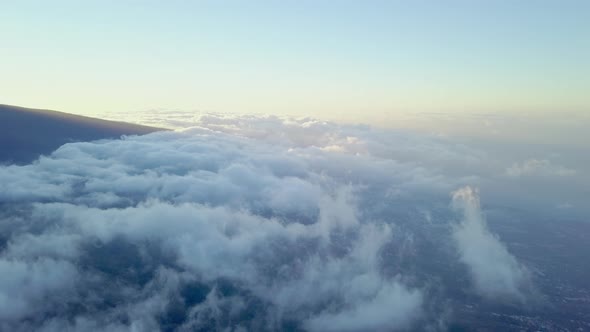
(255, 213)
(370, 61)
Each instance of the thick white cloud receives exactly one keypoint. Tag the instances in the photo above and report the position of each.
(215, 207)
(32, 287)
(252, 223)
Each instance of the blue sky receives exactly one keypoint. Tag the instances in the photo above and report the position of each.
(333, 59)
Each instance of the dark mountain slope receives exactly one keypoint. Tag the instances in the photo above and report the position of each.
(26, 133)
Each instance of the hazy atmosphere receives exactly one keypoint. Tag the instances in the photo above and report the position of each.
(294, 166)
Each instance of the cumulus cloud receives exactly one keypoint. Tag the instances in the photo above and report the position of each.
(190, 229)
(247, 223)
(33, 287)
(495, 271)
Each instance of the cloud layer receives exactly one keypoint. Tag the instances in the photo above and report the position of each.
(247, 223)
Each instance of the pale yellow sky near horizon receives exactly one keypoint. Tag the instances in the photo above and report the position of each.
(377, 62)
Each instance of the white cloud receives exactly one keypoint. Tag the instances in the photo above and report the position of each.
(393, 307)
(495, 271)
(245, 223)
(218, 207)
(29, 288)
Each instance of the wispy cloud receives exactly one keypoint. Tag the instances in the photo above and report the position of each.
(538, 167)
(495, 271)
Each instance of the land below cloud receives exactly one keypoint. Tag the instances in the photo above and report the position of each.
(27, 133)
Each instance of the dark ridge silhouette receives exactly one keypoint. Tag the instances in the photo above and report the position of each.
(26, 134)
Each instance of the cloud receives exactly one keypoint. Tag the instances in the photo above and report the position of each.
(392, 306)
(116, 231)
(495, 271)
(251, 223)
(33, 287)
(536, 167)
